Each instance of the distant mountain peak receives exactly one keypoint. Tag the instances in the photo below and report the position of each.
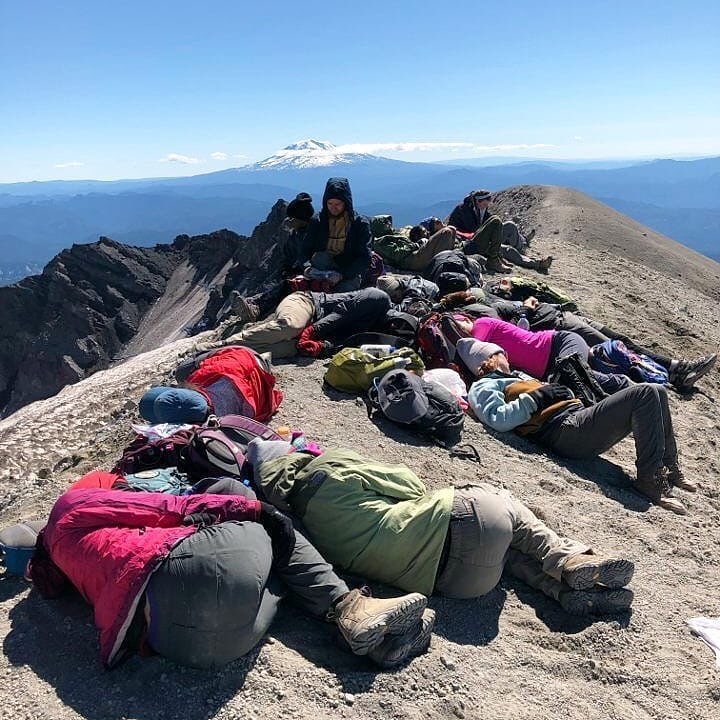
(312, 154)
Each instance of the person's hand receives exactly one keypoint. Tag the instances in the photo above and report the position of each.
(532, 303)
(547, 395)
(200, 520)
(280, 529)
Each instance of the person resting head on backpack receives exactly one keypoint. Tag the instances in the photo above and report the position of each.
(538, 353)
(162, 590)
(379, 521)
(404, 290)
(550, 415)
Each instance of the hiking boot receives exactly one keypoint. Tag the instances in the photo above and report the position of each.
(365, 621)
(686, 373)
(394, 650)
(596, 602)
(240, 309)
(543, 264)
(584, 571)
(497, 265)
(657, 488)
(675, 477)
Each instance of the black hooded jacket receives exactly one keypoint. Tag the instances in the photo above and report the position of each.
(465, 216)
(355, 258)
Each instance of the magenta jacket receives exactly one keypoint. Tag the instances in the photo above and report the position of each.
(526, 351)
(109, 542)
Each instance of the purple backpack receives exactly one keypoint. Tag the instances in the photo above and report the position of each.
(218, 447)
(614, 358)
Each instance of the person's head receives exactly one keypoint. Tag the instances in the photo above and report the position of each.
(335, 207)
(481, 199)
(482, 358)
(436, 225)
(390, 284)
(337, 198)
(417, 232)
(299, 211)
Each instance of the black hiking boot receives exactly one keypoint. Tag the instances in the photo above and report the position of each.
(685, 373)
(543, 264)
(676, 477)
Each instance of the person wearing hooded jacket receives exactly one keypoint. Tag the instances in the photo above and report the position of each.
(338, 239)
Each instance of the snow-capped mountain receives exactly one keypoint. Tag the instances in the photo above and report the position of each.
(312, 154)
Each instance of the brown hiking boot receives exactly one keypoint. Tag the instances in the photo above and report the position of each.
(497, 265)
(394, 650)
(676, 477)
(365, 621)
(543, 264)
(596, 602)
(584, 571)
(657, 488)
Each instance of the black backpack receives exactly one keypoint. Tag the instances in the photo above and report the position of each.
(573, 372)
(402, 324)
(451, 271)
(407, 399)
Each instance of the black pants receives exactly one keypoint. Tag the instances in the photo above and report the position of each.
(341, 314)
(642, 410)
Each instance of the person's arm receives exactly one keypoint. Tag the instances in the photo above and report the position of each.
(487, 400)
(356, 258)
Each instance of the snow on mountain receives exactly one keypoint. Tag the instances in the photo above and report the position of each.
(312, 154)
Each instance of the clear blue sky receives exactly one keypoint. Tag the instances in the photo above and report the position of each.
(109, 90)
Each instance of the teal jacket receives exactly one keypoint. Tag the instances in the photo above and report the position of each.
(367, 517)
(487, 400)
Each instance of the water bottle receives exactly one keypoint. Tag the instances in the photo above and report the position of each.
(378, 350)
(523, 322)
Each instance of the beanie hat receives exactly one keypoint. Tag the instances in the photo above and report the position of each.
(301, 207)
(389, 284)
(173, 405)
(475, 352)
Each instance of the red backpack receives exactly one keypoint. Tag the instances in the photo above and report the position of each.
(437, 336)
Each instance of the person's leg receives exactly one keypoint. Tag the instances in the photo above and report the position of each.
(565, 343)
(487, 241)
(355, 311)
(571, 322)
(348, 284)
(512, 236)
(591, 431)
(210, 601)
(515, 257)
(278, 333)
(323, 260)
(443, 239)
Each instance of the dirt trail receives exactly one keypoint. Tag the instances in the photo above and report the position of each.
(511, 654)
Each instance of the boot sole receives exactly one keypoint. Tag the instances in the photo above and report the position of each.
(394, 621)
(603, 602)
(402, 649)
(611, 574)
(689, 380)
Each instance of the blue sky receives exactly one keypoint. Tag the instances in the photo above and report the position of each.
(109, 90)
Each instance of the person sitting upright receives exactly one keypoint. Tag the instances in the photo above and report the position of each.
(472, 216)
(338, 239)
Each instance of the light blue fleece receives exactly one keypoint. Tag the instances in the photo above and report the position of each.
(487, 399)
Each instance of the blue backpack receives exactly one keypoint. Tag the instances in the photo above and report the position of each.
(614, 358)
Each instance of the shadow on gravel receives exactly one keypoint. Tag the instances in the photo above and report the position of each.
(11, 585)
(469, 622)
(552, 615)
(57, 640)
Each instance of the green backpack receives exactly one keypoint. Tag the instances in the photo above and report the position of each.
(517, 287)
(381, 225)
(352, 370)
(394, 248)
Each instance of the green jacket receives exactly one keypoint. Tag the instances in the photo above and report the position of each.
(369, 518)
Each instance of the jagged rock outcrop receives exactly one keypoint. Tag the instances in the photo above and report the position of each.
(90, 303)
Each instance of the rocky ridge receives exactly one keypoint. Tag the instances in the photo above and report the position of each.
(511, 654)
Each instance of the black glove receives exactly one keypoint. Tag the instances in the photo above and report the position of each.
(282, 534)
(547, 395)
(200, 520)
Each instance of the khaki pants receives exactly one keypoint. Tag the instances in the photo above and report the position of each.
(488, 528)
(442, 240)
(278, 333)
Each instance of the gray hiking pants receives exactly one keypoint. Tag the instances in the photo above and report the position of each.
(514, 256)
(215, 595)
(486, 524)
(443, 239)
(642, 410)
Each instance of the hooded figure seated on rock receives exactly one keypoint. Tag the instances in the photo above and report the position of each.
(550, 415)
(491, 237)
(309, 323)
(380, 521)
(198, 579)
(337, 242)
